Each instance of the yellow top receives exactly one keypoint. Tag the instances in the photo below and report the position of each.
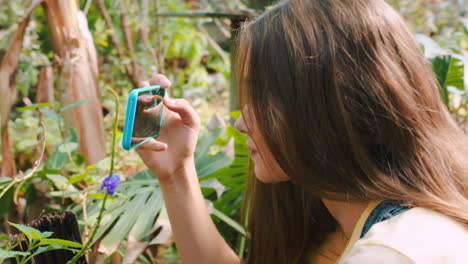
(337, 244)
(416, 236)
(359, 226)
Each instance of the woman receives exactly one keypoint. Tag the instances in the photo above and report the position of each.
(351, 143)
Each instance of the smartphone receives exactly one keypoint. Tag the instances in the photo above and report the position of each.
(144, 117)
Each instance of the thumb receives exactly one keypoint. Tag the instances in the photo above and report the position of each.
(185, 111)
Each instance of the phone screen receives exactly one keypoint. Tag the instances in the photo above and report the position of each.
(148, 116)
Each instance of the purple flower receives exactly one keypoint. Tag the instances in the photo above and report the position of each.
(111, 183)
(13, 237)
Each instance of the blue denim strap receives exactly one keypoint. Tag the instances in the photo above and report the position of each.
(384, 211)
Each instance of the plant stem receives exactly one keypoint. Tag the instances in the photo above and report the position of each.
(103, 207)
(114, 132)
(31, 246)
(95, 229)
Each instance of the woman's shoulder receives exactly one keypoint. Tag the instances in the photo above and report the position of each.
(417, 235)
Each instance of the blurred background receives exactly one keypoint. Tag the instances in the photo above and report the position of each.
(61, 61)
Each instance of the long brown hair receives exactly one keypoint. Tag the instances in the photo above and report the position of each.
(349, 108)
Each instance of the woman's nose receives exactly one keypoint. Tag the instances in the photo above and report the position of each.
(240, 125)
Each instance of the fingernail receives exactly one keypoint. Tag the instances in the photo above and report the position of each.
(165, 83)
(162, 147)
(170, 100)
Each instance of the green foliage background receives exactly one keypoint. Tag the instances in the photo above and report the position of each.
(64, 182)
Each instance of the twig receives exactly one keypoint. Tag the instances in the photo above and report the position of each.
(214, 44)
(159, 50)
(136, 72)
(86, 9)
(37, 164)
(105, 14)
(144, 32)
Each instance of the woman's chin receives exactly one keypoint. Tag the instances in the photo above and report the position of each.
(266, 176)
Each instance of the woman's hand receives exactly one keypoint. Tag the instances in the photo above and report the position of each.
(175, 146)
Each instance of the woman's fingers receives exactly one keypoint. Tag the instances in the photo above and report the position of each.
(185, 110)
(160, 79)
(151, 144)
(143, 84)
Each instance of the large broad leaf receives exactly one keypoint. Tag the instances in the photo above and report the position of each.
(234, 176)
(207, 164)
(144, 223)
(458, 73)
(450, 71)
(133, 211)
(441, 66)
(127, 219)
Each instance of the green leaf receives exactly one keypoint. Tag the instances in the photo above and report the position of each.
(126, 220)
(26, 144)
(78, 178)
(57, 160)
(441, 66)
(75, 104)
(51, 114)
(61, 242)
(34, 106)
(205, 142)
(58, 179)
(104, 164)
(5, 180)
(214, 184)
(68, 147)
(73, 136)
(146, 220)
(234, 176)
(215, 128)
(47, 234)
(30, 232)
(98, 196)
(6, 202)
(5, 254)
(143, 175)
(235, 114)
(431, 48)
(226, 219)
(211, 164)
(41, 250)
(458, 73)
(112, 213)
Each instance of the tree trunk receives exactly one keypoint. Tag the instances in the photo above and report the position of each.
(45, 85)
(77, 75)
(8, 91)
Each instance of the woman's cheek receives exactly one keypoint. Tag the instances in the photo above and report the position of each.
(271, 173)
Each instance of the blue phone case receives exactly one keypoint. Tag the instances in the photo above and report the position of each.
(130, 117)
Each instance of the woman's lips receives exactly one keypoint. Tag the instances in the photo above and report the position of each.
(253, 151)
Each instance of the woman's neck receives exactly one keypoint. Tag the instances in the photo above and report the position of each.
(346, 213)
